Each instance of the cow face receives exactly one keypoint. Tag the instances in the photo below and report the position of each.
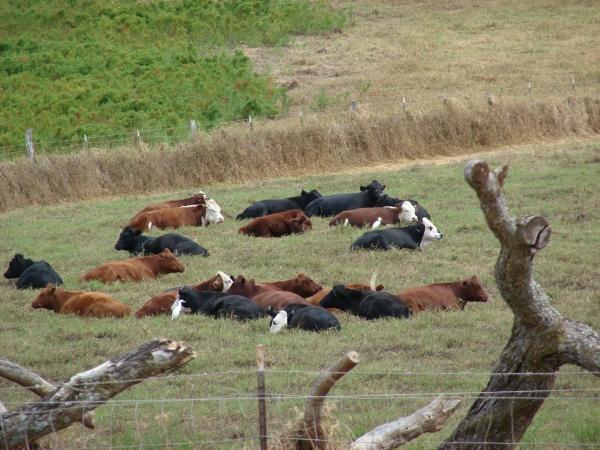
(279, 322)
(226, 280)
(430, 234)
(407, 212)
(340, 297)
(128, 239)
(305, 286)
(473, 291)
(46, 298)
(168, 262)
(242, 286)
(184, 301)
(300, 224)
(375, 189)
(17, 266)
(213, 213)
(310, 196)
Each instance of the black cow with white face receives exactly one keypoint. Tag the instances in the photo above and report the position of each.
(30, 274)
(369, 305)
(386, 200)
(304, 317)
(330, 205)
(218, 304)
(135, 243)
(264, 207)
(412, 237)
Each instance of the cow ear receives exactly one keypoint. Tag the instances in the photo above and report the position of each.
(304, 193)
(363, 188)
(137, 232)
(465, 283)
(379, 287)
(383, 187)
(52, 289)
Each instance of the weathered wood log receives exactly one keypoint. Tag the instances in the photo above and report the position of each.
(88, 390)
(542, 339)
(310, 432)
(36, 384)
(429, 419)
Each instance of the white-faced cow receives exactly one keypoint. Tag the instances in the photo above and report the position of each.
(303, 317)
(331, 205)
(412, 237)
(30, 274)
(264, 207)
(384, 215)
(386, 200)
(136, 243)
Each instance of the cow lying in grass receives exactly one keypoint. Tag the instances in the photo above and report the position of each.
(264, 207)
(31, 274)
(444, 296)
(278, 224)
(366, 304)
(197, 199)
(136, 243)
(303, 317)
(217, 304)
(175, 217)
(86, 304)
(135, 269)
(264, 295)
(412, 237)
(331, 205)
(386, 215)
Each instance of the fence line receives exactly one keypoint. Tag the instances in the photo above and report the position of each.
(405, 101)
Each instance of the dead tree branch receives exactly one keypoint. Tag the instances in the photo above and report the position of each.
(428, 419)
(542, 339)
(87, 390)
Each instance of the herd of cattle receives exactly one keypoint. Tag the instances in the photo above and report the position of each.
(299, 302)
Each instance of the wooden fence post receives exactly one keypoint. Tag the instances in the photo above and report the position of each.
(262, 409)
(193, 129)
(353, 105)
(29, 145)
(139, 137)
(251, 123)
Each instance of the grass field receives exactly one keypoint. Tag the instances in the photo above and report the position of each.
(444, 352)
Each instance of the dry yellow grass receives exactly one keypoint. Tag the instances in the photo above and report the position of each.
(288, 147)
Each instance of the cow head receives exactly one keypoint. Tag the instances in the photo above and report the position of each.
(472, 290)
(185, 299)
(242, 286)
(17, 266)
(430, 233)
(168, 262)
(406, 212)
(46, 298)
(374, 190)
(308, 197)
(213, 213)
(305, 286)
(340, 297)
(128, 239)
(300, 224)
(279, 322)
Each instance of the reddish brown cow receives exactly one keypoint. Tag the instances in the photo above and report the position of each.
(87, 304)
(444, 296)
(402, 212)
(135, 269)
(161, 303)
(173, 217)
(198, 199)
(301, 284)
(278, 224)
(263, 295)
(316, 299)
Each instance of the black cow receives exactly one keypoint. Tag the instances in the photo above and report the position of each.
(135, 243)
(305, 317)
(386, 200)
(30, 274)
(367, 304)
(331, 205)
(271, 206)
(411, 237)
(217, 304)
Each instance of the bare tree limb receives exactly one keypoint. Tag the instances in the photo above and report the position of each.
(88, 390)
(311, 435)
(36, 384)
(428, 419)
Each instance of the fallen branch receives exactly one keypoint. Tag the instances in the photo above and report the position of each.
(36, 384)
(428, 419)
(87, 390)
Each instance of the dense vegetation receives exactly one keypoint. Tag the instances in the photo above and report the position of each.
(71, 67)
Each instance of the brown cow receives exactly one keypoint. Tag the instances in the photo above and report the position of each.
(301, 284)
(278, 224)
(86, 304)
(197, 199)
(444, 296)
(264, 295)
(161, 303)
(135, 269)
(173, 217)
(402, 212)
(316, 299)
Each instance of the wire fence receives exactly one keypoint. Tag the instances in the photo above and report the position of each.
(396, 101)
(216, 410)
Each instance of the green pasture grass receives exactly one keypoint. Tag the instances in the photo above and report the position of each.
(404, 363)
